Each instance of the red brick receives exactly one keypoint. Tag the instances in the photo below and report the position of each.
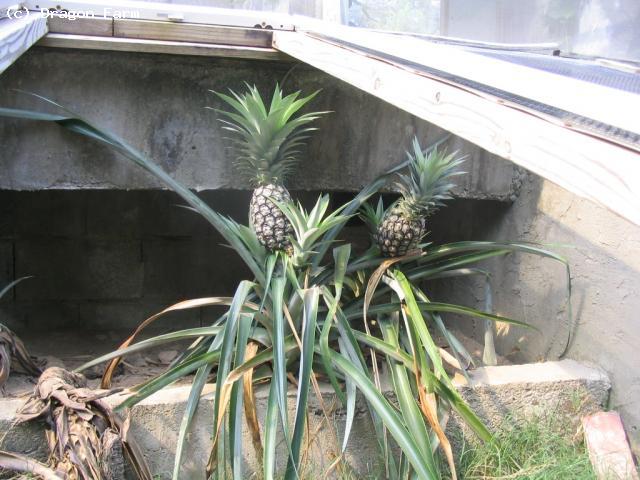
(608, 447)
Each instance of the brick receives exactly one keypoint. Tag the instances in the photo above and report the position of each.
(608, 447)
(73, 269)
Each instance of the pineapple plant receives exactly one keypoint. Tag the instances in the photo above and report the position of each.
(268, 143)
(423, 190)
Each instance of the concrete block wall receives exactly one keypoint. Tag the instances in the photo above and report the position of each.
(105, 260)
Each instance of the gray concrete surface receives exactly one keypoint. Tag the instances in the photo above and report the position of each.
(498, 394)
(602, 250)
(157, 103)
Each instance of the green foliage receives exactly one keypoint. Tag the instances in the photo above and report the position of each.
(267, 140)
(538, 449)
(313, 314)
(428, 183)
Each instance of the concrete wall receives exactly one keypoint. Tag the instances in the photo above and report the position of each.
(105, 260)
(104, 257)
(602, 250)
(157, 102)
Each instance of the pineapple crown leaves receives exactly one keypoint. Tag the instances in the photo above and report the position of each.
(428, 183)
(310, 227)
(371, 216)
(268, 141)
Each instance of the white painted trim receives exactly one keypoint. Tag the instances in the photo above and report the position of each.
(88, 42)
(143, 10)
(599, 170)
(4, 4)
(17, 35)
(607, 105)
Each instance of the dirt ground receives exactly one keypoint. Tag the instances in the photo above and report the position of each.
(71, 349)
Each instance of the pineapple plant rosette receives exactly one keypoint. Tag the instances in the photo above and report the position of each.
(308, 316)
(423, 189)
(268, 142)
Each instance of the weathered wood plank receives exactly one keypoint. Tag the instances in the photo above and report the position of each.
(192, 32)
(97, 27)
(590, 167)
(17, 35)
(158, 46)
(608, 105)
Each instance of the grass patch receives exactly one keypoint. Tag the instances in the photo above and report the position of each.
(540, 449)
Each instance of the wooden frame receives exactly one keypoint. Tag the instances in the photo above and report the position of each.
(17, 35)
(127, 35)
(191, 32)
(588, 166)
(176, 12)
(597, 102)
(88, 42)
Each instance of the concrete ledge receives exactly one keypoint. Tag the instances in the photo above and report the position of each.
(516, 393)
(496, 393)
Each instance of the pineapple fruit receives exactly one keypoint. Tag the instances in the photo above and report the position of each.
(423, 189)
(267, 141)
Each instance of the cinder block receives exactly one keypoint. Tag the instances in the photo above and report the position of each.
(40, 316)
(118, 315)
(189, 268)
(45, 213)
(6, 266)
(73, 269)
(114, 213)
(6, 214)
(155, 422)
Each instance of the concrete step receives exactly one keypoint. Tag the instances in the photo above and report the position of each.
(495, 393)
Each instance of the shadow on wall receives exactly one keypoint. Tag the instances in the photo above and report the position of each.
(605, 267)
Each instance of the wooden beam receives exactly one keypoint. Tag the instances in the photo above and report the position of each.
(17, 35)
(192, 32)
(157, 46)
(591, 167)
(597, 102)
(97, 27)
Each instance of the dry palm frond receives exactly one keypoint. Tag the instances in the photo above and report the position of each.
(86, 438)
(19, 463)
(13, 350)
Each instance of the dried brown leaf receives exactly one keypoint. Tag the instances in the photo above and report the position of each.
(85, 436)
(250, 410)
(14, 462)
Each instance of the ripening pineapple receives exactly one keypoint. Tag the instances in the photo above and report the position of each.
(267, 141)
(423, 190)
